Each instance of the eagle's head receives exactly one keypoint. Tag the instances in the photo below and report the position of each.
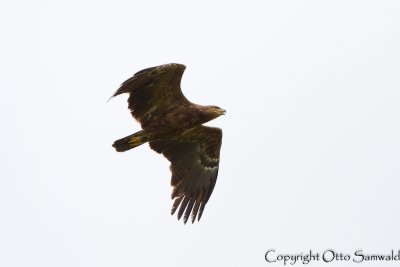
(211, 112)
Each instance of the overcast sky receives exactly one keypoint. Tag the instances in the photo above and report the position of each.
(310, 154)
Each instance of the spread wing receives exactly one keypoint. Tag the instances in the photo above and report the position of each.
(194, 158)
(154, 91)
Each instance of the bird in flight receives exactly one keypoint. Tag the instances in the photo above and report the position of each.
(172, 126)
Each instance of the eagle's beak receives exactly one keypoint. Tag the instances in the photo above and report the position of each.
(222, 111)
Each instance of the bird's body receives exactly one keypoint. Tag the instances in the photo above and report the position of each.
(173, 126)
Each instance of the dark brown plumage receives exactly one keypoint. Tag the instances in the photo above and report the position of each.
(173, 127)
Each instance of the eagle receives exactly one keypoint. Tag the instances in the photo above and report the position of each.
(173, 126)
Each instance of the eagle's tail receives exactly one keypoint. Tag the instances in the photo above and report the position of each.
(131, 141)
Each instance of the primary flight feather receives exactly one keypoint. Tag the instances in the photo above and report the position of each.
(173, 127)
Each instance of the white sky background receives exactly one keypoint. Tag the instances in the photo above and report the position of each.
(311, 148)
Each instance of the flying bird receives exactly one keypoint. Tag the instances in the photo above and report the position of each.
(172, 126)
